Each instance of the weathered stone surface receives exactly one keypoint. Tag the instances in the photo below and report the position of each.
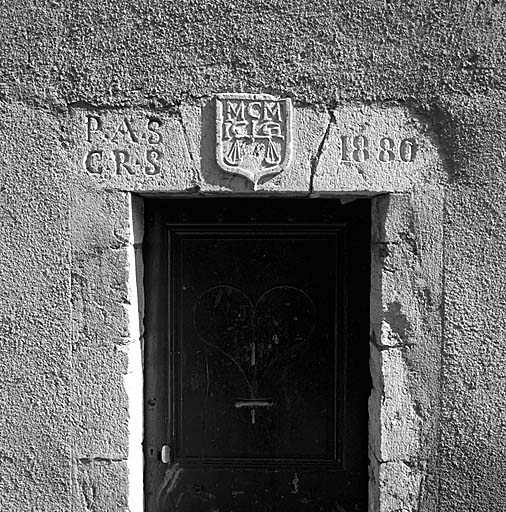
(100, 405)
(400, 422)
(406, 279)
(101, 239)
(399, 487)
(309, 129)
(376, 149)
(175, 151)
(98, 485)
(130, 150)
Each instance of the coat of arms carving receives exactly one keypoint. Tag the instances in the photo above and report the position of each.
(253, 134)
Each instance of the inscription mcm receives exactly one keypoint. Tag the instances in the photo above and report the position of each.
(253, 134)
(108, 139)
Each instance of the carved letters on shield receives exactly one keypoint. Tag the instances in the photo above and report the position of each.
(253, 134)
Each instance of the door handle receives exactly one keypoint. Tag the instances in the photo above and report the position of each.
(166, 454)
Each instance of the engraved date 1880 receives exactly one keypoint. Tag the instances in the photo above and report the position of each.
(358, 148)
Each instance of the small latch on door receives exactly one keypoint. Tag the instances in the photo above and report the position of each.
(165, 454)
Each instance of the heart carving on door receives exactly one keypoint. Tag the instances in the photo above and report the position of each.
(255, 340)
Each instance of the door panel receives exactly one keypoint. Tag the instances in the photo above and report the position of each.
(256, 346)
(253, 357)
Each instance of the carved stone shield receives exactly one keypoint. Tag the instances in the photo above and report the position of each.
(253, 134)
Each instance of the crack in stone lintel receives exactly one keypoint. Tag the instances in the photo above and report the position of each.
(186, 137)
(315, 160)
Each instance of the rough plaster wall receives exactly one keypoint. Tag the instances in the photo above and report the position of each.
(473, 437)
(35, 326)
(112, 52)
(444, 59)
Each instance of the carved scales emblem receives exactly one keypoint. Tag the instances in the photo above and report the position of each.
(253, 134)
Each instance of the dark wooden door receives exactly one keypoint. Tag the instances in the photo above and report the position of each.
(256, 355)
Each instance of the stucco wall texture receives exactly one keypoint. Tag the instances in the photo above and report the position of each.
(65, 237)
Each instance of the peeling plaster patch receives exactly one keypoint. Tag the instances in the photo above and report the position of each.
(389, 338)
(396, 319)
(409, 240)
(394, 326)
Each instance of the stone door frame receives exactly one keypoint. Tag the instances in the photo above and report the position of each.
(407, 246)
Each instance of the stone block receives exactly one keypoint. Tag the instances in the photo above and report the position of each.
(399, 487)
(377, 149)
(101, 485)
(99, 403)
(129, 149)
(310, 126)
